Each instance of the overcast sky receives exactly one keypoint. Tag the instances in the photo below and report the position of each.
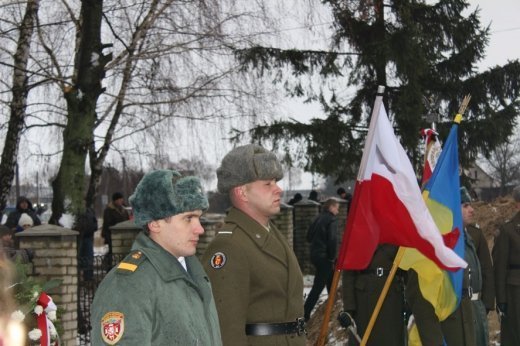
(502, 17)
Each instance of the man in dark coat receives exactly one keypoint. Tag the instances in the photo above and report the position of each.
(256, 279)
(114, 213)
(23, 206)
(506, 260)
(361, 290)
(322, 235)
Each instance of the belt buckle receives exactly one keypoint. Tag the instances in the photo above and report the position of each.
(300, 326)
(379, 272)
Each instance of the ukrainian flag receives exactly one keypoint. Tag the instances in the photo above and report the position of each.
(441, 193)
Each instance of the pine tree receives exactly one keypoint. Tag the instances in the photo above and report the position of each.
(418, 51)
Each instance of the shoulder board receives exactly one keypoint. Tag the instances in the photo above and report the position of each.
(227, 230)
(131, 262)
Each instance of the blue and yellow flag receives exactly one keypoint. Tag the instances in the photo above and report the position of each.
(441, 193)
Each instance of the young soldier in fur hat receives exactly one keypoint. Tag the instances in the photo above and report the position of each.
(159, 294)
(256, 279)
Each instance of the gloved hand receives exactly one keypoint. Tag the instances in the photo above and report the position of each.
(345, 318)
(502, 308)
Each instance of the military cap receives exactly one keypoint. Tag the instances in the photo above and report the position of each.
(246, 164)
(164, 193)
(464, 196)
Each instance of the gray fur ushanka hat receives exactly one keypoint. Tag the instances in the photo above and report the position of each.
(164, 193)
(246, 164)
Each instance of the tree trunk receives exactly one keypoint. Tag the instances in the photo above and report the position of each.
(19, 101)
(69, 185)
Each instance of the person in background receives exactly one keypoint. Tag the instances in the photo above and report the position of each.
(506, 260)
(313, 196)
(23, 206)
(343, 194)
(256, 278)
(9, 249)
(482, 300)
(24, 222)
(361, 290)
(297, 197)
(322, 236)
(465, 325)
(114, 213)
(87, 225)
(159, 294)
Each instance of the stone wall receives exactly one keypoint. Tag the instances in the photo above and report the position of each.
(55, 257)
(304, 213)
(211, 224)
(284, 222)
(123, 236)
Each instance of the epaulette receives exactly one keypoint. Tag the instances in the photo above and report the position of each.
(131, 262)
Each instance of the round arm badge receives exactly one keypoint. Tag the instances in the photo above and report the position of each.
(112, 327)
(218, 260)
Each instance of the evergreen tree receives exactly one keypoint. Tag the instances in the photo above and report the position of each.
(418, 51)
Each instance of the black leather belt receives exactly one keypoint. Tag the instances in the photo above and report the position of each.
(379, 271)
(514, 266)
(263, 329)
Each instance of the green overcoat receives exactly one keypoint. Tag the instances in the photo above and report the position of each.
(360, 292)
(506, 260)
(149, 299)
(255, 278)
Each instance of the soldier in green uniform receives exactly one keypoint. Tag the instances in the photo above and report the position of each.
(361, 290)
(506, 259)
(256, 279)
(159, 294)
(483, 299)
(467, 325)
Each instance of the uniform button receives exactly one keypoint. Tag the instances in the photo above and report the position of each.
(258, 236)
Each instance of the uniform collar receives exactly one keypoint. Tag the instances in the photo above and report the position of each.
(267, 241)
(166, 265)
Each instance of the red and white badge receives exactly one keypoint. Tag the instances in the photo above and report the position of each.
(112, 327)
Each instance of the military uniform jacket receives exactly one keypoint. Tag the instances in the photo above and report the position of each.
(486, 266)
(149, 299)
(506, 257)
(459, 327)
(257, 279)
(360, 292)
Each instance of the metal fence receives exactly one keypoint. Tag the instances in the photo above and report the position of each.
(91, 272)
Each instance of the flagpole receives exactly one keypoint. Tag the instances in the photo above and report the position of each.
(362, 167)
(324, 330)
(382, 296)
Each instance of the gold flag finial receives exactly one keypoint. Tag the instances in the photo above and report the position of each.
(462, 109)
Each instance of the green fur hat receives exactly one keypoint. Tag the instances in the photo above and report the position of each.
(246, 164)
(164, 193)
(465, 197)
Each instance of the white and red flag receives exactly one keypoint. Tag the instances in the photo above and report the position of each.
(387, 206)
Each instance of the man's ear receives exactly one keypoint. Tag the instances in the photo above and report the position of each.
(239, 193)
(154, 227)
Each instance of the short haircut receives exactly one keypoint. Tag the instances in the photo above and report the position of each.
(329, 203)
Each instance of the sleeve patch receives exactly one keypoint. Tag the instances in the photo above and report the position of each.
(112, 327)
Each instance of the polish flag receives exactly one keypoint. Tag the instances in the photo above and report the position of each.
(387, 206)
